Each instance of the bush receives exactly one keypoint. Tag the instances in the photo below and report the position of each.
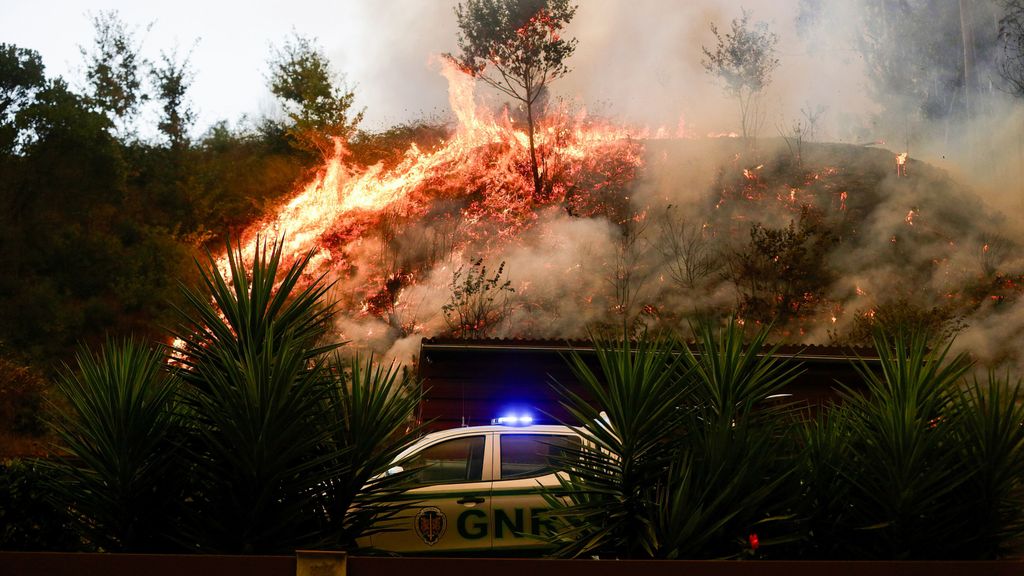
(29, 518)
(991, 429)
(21, 399)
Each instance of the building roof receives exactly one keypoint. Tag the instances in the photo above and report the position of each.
(799, 351)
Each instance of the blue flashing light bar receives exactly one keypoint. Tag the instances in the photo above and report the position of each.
(513, 420)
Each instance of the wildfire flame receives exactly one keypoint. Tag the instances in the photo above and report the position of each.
(483, 167)
(901, 164)
(472, 196)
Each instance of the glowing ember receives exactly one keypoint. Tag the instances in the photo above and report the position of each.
(901, 164)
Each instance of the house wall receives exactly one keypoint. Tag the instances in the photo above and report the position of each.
(469, 382)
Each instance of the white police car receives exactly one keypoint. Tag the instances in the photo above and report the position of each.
(478, 489)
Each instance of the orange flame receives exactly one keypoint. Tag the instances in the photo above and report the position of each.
(480, 167)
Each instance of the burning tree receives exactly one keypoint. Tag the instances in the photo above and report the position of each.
(744, 60)
(521, 41)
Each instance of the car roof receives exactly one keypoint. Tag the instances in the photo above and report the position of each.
(472, 430)
(505, 428)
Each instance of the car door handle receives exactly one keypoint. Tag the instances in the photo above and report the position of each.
(471, 500)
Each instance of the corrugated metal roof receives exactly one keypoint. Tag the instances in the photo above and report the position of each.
(808, 351)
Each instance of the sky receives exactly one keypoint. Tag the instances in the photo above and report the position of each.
(637, 60)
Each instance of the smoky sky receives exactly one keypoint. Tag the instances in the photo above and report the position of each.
(637, 62)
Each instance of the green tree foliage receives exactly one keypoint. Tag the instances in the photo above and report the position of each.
(318, 105)
(516, 46)
(171, 80)
(21, 78)
(744, 59)
(783, 271)
(83, 240)
(114, 70)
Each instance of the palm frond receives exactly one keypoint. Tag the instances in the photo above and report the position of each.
(120, 431)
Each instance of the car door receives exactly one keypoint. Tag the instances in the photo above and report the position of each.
(524, 466)
(450, 499)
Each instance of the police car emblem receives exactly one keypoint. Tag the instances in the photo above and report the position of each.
(430, 525)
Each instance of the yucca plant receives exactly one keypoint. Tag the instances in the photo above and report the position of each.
(120, 429)
(734, 493)
(607, 505)
(991, 430)
(823, 512)
(368, 417)
(682, 457)
(238, 309)
(904, 467)
(250, 352)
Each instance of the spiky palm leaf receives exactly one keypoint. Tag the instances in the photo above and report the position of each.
(250, 351)
(904, 466)
(676, 461)
(256, 449)
(717, 493)
(738, 446)
(606, 505)
(992, 443)
(120, 432)
(252, 304)
(734, 376)
(368, 417)
(824, 507)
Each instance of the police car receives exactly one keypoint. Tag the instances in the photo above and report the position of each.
(477, 489)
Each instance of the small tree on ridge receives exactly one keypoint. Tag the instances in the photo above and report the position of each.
(744, 60)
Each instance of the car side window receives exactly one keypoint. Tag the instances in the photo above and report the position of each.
(526, 455)
(449, 462)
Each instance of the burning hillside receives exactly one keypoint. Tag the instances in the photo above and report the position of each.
(633, 228)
